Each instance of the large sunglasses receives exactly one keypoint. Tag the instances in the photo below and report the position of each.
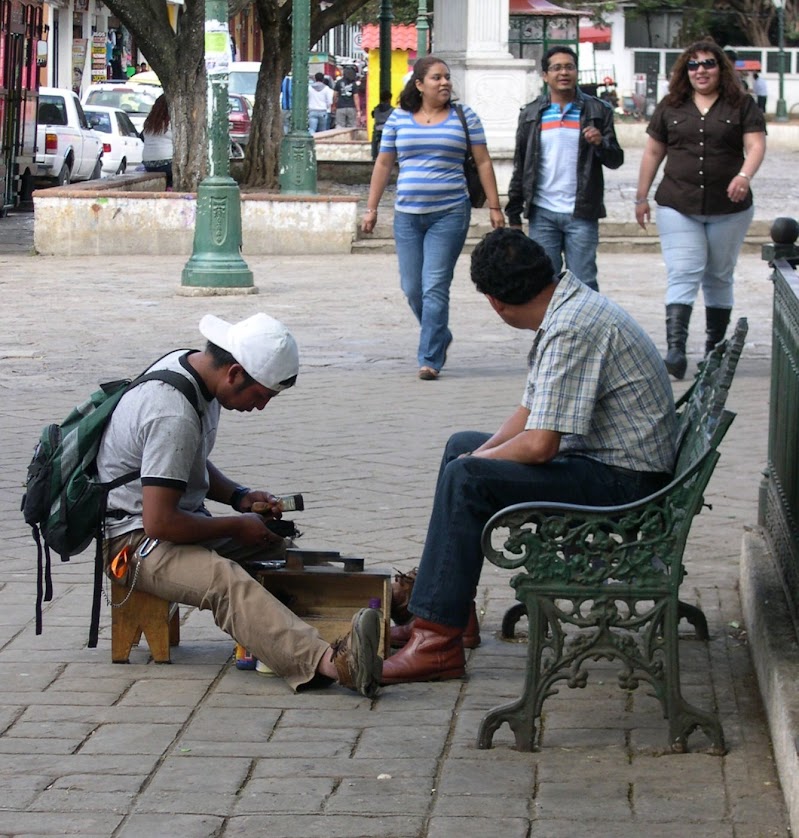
(707, 63)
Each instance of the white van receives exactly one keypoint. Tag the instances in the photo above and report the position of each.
(243, 78)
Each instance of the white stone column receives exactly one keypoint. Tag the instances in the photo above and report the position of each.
(472, 37)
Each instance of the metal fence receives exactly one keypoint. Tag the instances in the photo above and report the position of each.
(779, 499)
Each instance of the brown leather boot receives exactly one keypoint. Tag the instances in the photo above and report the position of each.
(400, 635)
(401, 589)
(433, 653)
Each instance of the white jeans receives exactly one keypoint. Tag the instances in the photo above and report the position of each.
(701, 250)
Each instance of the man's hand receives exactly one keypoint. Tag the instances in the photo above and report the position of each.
(267, 503)
(592, 135)
(252, 529)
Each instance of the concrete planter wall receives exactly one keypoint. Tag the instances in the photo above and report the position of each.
(131, 214)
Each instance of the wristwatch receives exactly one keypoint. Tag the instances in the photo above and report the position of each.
(238, 495)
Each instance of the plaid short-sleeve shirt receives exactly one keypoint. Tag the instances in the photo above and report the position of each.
(596, 377)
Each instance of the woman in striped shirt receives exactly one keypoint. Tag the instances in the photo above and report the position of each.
(432, 209)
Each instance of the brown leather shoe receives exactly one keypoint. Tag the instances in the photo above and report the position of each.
(433, 653)
(401, 589)
(355, 656)
(400, 635)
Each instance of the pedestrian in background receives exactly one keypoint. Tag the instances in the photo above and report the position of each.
(158, 150)
(380, 113)
(760, 89)
(713, 139)
(432, 208)
(320, 99)
(563, 140)
(285, 102)
(346, 101)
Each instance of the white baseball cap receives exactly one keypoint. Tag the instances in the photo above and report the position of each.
(261, 344)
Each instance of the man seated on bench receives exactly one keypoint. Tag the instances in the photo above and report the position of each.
(196, 557)
(596, 426)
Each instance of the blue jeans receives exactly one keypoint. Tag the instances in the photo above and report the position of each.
(470, 490)
(428, 246)
(317, 121)
(701, 250)
(561, 234)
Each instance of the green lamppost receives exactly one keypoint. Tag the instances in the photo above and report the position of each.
(385, 17)
(216, 261)
(297, 164)
(422, 28)
(782, 109)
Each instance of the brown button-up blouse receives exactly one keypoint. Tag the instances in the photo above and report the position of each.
(704, 152)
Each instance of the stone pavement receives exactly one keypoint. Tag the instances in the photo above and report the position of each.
(200, 749)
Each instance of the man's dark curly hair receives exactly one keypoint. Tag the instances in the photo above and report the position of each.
(509, 265)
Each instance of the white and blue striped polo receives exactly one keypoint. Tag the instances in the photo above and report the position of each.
(430, 159)
(556, 186)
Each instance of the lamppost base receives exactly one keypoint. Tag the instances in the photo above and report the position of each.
(297, 164)
(781, 114)
(216, 260)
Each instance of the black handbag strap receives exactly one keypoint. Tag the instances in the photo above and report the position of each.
(462, 117)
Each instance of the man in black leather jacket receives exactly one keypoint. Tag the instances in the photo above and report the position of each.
(563, 139)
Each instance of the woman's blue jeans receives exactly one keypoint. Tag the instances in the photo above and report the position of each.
(701, 250)
(428, 246)
(470, 490)
(561, 234)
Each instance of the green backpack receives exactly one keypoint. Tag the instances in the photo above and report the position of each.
(64, 502)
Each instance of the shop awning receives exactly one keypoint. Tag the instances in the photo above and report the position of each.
(595, 34)
(541, 7)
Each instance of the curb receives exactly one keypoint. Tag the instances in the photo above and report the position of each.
(775, 656)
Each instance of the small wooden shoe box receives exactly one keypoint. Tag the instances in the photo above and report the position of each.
(326, 589)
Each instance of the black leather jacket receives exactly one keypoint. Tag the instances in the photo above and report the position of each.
(588, 202)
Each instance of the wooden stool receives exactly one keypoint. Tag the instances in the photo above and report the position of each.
(146, 614)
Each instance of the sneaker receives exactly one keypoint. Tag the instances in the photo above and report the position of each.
(262, 669)
(358, 665)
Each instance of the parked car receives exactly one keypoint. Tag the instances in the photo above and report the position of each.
(67, 148)
(136, 100)
(239, 118)
(243, 78)
(122, 143)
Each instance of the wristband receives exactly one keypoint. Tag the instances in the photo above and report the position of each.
(639, 201)
(368, 211)
(743, 174)
(238, 495)
(496, 208)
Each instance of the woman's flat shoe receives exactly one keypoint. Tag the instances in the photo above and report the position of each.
(428, 374)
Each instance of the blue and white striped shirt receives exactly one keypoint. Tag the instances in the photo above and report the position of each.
(430, 159)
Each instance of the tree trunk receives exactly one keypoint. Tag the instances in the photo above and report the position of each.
(266, 129)
(178, 60)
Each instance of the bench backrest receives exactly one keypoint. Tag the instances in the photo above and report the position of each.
(703, 405)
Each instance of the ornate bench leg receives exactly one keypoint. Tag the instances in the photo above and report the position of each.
(696, 617)
(522, 713)
(683, 717)
(512, 616)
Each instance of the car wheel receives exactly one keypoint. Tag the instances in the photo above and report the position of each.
(64, 176)
(122, 166)
(97, 171)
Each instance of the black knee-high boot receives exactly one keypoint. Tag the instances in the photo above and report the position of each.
(677, 318)
(717, 320)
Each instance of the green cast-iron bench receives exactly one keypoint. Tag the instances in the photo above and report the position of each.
(603, 582)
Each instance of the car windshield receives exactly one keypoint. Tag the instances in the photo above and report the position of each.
(99, 121)
(243, 81)
(130, 101)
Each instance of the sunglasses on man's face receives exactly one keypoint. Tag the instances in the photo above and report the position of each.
(707, 63)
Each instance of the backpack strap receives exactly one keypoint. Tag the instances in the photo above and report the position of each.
(179, 382)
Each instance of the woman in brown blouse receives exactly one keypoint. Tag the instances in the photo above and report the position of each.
(713, 138)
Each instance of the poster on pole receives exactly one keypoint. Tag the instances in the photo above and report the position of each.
(100, 59)
(78, 61)
(217, 47)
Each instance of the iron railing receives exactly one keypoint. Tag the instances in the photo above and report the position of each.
(779, 498)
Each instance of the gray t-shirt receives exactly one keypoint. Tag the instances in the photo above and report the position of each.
(155, 429)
